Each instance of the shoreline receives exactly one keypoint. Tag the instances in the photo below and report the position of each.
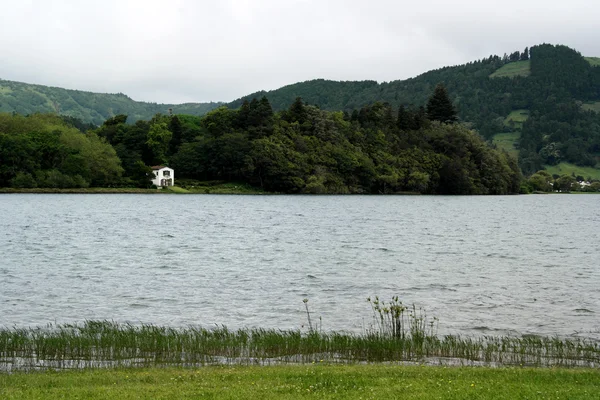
(234, 191)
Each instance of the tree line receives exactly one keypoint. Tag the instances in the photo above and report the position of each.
(559, 83)
(302, 149)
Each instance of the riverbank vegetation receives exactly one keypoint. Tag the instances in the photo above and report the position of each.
(112, 360)
(399, 334)
(321, 380)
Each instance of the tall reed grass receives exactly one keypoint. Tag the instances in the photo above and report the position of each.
(400, 334)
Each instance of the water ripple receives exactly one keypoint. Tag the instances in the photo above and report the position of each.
(481, 264)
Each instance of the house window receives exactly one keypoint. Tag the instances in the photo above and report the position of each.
(167, 173)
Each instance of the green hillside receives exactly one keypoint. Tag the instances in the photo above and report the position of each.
(537, 98)
(592, 106)
(549, 82)
(517, 68)
(89, 107)
(595, 61)
(571, 169)
(508, 142)
(516, 118)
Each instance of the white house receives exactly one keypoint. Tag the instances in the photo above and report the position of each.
(163, 176)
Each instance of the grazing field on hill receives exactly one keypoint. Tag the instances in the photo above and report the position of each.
(510, 70)
(378, 381)
(568, 169)
(595, 61)
(595, 106)
(516, 118)
(506, 141)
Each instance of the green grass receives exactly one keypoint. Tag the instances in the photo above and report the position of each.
(506, 141)
(568, 169)
(592, 106)
(516, 118)
(306, 381)
(177, 189)
(595, 61)
(513, 69)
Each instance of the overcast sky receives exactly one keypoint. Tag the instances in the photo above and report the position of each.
(177, 51)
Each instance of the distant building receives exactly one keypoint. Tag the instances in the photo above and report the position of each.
(163, 176)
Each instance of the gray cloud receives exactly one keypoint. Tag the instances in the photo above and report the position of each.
(184, 50)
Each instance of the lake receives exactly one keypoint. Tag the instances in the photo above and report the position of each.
(482, 265)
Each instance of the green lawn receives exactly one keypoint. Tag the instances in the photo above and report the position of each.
(595, 106)
(568, 169)
(510, 70)
(595, 61)
(374, 381)
(506, 141)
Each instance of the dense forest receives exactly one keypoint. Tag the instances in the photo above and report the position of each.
(555, 86)
(328, 137)
(299, 150)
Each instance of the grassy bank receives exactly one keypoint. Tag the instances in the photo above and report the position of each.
(308, 381)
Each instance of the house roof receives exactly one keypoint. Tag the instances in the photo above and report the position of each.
(157, 167)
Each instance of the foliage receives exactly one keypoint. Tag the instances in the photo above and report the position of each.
(44, 151)
(548, 82)
(555, 85)
(439, 106)
(88, 107)
(543, 181)
(299, 150)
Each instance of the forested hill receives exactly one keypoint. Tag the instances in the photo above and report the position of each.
(94, 108)
(540, 104)
(544, 102)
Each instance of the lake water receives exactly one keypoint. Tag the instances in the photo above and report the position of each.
(482, 265)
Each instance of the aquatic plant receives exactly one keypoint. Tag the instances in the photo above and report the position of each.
(401, 334)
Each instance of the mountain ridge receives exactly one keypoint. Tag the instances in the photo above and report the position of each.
(96, 107)
(88, 106)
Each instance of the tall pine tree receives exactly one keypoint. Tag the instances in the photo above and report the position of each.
(439, 106)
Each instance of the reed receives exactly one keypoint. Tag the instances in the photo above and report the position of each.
(400, 334)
